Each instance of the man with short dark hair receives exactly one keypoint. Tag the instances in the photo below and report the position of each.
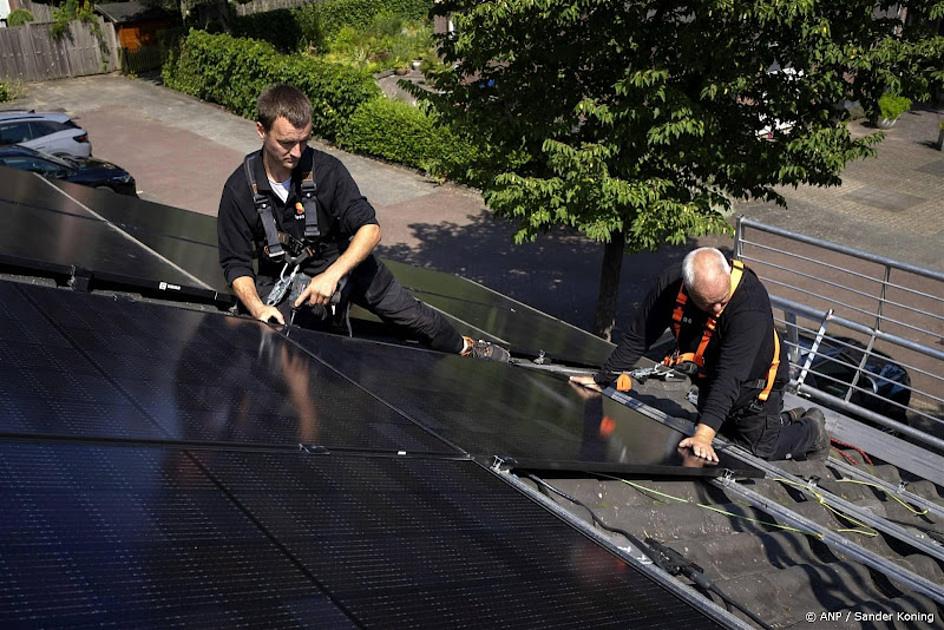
(720, 315)
(300, 213)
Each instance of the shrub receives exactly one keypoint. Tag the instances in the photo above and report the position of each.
(232, 72)
(6, 92)
(891, 106)
(388, 43)
(322, 20)
(19, 17)
(399, 132)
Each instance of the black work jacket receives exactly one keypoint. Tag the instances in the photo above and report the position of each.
(737, 357)
(341, 207)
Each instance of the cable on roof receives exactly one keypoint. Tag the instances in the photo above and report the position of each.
(712, 508)
(860, 527)
(665, 557)
(890, 495)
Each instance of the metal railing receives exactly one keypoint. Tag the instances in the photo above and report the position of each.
(860, 329)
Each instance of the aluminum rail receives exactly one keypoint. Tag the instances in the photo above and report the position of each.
(835, 247)
(921, 543)
(816, 314)
(900, 491)
(882, 565)
(899, 574)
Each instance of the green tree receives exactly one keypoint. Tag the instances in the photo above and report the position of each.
(637, 123)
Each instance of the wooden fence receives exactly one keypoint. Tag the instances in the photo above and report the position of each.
(31, 53)
(264, 6)
(40, 12)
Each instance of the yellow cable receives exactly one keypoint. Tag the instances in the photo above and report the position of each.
(865, 531)
(711, 508)
(888, 494)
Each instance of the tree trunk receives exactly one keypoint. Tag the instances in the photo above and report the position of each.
(605, 318)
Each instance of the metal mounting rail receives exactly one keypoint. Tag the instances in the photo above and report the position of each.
(869, 558)
(893, 571)
(919, 541)
(900, 491)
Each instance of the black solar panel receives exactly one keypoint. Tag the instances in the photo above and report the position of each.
(146, 371)
(186, 238)
(528, 331)
(492, 409)
(138, 537)
(144, 536)
(42, 229)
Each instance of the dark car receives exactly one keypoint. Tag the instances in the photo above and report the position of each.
(833, 369)
(85, 171)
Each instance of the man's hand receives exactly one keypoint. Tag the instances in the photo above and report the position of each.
(318, 291)
(700, 443)
(586, 380)
(267, 313)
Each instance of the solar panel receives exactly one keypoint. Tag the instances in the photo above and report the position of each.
(528, 331)
(44, 230)
(148, 371)
(95, 536)
(533, 419)
(186, 238)
(159, 536)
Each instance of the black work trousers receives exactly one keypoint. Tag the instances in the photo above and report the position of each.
(762, 430)
(372, 287)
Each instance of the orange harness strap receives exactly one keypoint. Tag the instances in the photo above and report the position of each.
(772, 372)
(698, 357)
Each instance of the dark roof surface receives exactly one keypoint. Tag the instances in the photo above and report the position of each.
(131, 11)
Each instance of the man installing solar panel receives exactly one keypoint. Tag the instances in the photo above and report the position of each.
(720, 315)
(299, 212)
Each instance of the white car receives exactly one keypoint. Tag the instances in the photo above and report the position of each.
(50, 132)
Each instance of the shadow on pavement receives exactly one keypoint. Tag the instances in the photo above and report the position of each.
(557, 274)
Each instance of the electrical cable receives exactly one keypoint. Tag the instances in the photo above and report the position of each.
(665, 557)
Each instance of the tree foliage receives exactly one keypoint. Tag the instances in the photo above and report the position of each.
(645, 118)
(19, 17)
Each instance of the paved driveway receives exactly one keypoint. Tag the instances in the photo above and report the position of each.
(181, 151)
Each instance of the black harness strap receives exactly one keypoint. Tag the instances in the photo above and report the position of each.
(310, 204)
(264, 208)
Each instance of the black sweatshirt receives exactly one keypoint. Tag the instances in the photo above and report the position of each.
(341, 207)
(738, 355)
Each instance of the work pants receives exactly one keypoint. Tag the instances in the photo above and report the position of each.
(767, 434)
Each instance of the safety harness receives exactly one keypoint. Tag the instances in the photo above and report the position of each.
(698, 357)
(277, 241)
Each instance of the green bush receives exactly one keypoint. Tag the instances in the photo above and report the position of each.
(388, 43)
(322, 20)
(6, 92)
(399, 132)
(891, 106)
(19, 17)
(232, 72)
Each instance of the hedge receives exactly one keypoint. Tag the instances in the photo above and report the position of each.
(232, 72)
(399, 132)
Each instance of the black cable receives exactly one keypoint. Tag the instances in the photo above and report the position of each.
(596, 520)
(665, 557)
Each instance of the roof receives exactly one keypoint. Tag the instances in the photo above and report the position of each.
(32, 114)
(132, 11)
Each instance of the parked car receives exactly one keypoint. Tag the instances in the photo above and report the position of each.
(891, 383)
(51, 132)
(85, 171)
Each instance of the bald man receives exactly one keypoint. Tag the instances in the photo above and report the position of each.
(721, 318)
